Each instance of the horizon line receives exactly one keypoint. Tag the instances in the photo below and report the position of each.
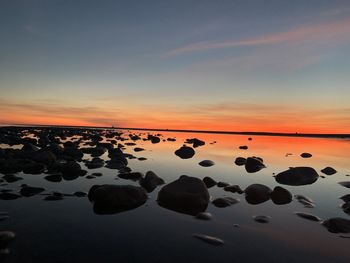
(264, 133)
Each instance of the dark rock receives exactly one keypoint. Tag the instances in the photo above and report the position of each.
(110, 199)
(153, 139)
(337, 225)
(306, 201)
(196, 142)
(306, 155)
(257, 193)
(345, 184)
(281, 196)
(95, 163)
(10, 178)
(151, 181)
(243, 147)
(308, 216)
(5, 238)
(28, 191)
(345, 198)
(33, 168)
(297, 176)
(206, 163)
(209, 182)
(185, 152)
(209, 239)
(55, 178)
(131, 176)
(262, 219)
(138, 149)
(233, 189)
(222, 184)
(254, 164)
(142, 159)
(346, 207)
(204, 216)
(187, 195)
(45, 157)
(80, 194)
(329, 170)
(240, 161)
(8, 196)
(225, 201)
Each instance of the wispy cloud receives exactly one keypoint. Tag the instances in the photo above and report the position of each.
(331, 31)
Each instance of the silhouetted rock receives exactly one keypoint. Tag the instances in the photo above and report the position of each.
(55, 178)
(80, 194)
(33, 168)
(329, 170)
(204, 216)
(186, 195)
(262, 219)
(257, 193)
(138, 149)
(10, 178)
(345, 198)
(151, 181)
(131, 176)
(209, 239)
(254, 164)
(306, 155)
(185, 152)
(222, 184)
(209, 182)
(240, 161)
(28, 191)
(306, 201)
(195, 142)
(308, 216)
(243, 147)
(206, 163)
(297, 176)
(281, 196)
(44, 157)
(153, 139)
(345, 184)
(109, 199)
(337, 225)
(225, 201)
(95, 163)
(233, 189)
(346, 207)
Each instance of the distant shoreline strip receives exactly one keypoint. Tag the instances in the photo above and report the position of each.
(278, 134)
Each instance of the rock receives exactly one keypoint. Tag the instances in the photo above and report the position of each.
(209, 182)
(8, 196)
(222, 184)
(80, 194)
(70, 170)
(151, 181)
(95, 163)
(345, 198)
(5, 238)
(185, 152)
(240, 161)
(28, 191)
(142, 158)
(243, 147)
(329, 170)
(209, 239)
(257, 193)
(45, 157)
(337, 225)
(187, 195)
(55, 178)
(297, 176)
(234, 189)
(306, 201)
(153, 139)
(204, 216)
(196, 142)
(225, 201)
(33, 168)
(131, 176)
(110, 199)
(345, 184)
(346, 208)
(306, 155)
(171, 139)
(206, 163)
(138, 149)
(281, 196)
(262, 219)
(10, 178)
(308, 216)
(254, 164)
(90, 177)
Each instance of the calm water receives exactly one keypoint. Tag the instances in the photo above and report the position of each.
(69, 230)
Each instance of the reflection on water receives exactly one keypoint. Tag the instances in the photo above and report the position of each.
(141, 208)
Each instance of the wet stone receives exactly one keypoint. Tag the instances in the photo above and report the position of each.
(209, 182)
(306, 155)
(262, 219)
(225, 201)
(308, 216)
(185, 152)
(206, 163)
(328, 171)
(209, 239)
(204, 216)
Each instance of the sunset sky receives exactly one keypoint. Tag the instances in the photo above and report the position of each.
(213, 65)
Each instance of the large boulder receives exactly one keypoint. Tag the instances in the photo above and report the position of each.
(187, 195)
(281, 196)
(297, 176)
(254, 164)
(110, 199)
(257, 193)
(151, 181)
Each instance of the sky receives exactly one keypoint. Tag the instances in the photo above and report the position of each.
(239, 65)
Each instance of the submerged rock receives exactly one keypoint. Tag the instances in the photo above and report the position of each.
(11, 178)
(262, 219)
(209, 182)
(337, 225)
(187, 195)
(8, 196)
(222, 184)
(306, 201)
(206, 163)
(28, 191)
(204, 216)
(110, 199)
(308, 216)
(257, 194)
(185, 152)
(329, 170)
(209, 239)
(151, 181)
(233, 189)
(131, 176)
(225, 201)
(297, 176)
(281, 196)
(254, 164)
(345, 184)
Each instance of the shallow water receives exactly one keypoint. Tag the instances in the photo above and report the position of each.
(70, 231)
